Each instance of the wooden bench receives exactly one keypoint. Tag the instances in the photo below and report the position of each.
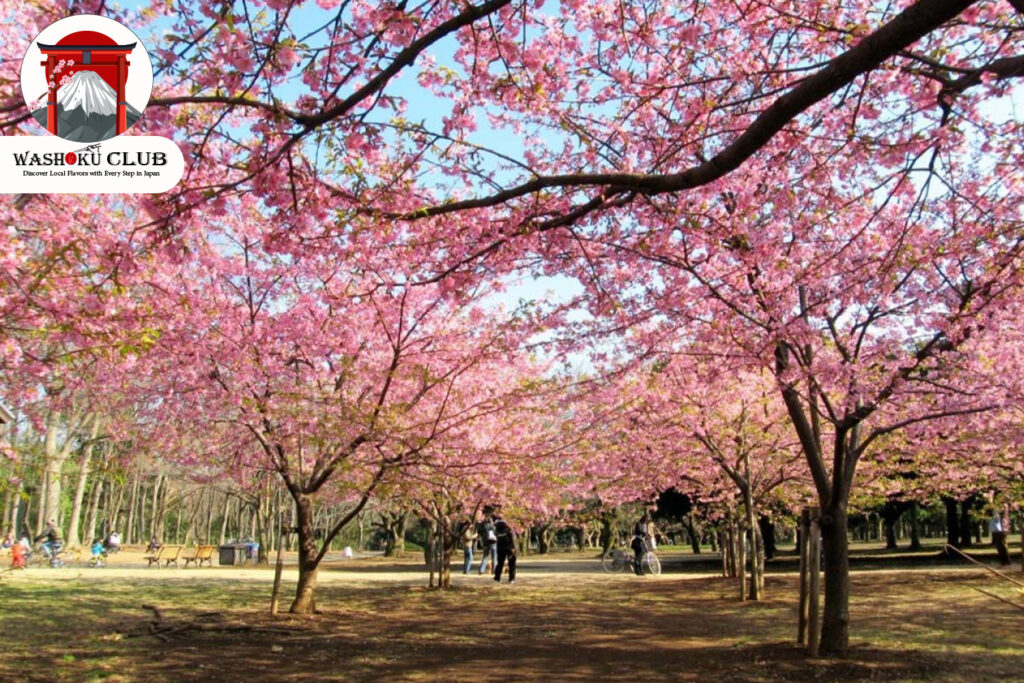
(165, 553)
(203, 553)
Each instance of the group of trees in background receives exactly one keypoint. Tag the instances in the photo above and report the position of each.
(786, 241)
(143, 498)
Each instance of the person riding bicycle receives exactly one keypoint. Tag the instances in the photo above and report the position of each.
(53, 543)
(99, 554)
(643, 536)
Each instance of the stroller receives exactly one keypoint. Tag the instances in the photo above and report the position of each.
(99, 555)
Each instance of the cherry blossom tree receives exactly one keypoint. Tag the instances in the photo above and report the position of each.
(510, 455)
(330, 373)
(733, 423)
(823, 191)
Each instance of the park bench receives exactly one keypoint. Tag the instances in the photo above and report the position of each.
(202, 553)
(166, 554)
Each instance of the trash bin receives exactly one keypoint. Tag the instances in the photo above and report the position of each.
(228, 554)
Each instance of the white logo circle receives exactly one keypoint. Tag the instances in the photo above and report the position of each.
(86, 78)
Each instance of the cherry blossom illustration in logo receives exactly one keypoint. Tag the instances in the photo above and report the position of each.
(86, 78)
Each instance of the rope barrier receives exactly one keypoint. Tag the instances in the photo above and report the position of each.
(984, 566)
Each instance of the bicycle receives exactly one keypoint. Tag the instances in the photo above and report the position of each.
(43, 555)
(98, 557)
(621, 559)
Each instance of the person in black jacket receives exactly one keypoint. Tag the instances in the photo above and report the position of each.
(506, 549)
(642, 536)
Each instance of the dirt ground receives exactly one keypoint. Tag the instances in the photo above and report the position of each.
(563, 620)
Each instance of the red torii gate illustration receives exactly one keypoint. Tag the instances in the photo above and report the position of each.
(88, 51)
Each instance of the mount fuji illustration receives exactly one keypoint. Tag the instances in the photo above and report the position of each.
(86, 109)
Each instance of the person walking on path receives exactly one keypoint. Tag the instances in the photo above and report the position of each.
(113, 542)
(488, 541)
(468, 538)
(506, 549)
(997, 527)
(643, 535)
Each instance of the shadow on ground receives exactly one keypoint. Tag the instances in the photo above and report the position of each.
(563, 626)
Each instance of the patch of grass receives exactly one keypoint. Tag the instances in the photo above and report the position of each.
(905, 625)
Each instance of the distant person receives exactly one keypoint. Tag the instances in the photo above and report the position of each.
(997, 527)
(468, 538)
(251, 550)
(506, 546)
(113, 542)
(8, 541)
(488, 540)
(767, 527)
(98, 554)
(20, 552)
(154, 545)
(643, 537)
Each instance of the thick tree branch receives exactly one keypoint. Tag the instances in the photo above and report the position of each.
(270, 107)
(1007, 67)
(804, 430)
(403, 59)
(881, 431)
(906, 28)
(340, 524)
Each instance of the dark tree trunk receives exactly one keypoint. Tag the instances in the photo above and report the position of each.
(915, 527)
(833, 488)
(694, 533)
(304, 602)
(394, 534)
(431, 555)
(965, 522)
(835, 627)
(544, 535)
(891, 515)
(952, 522)
(584, 538)
(767, 528)
(446, 545)
(606, 532)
